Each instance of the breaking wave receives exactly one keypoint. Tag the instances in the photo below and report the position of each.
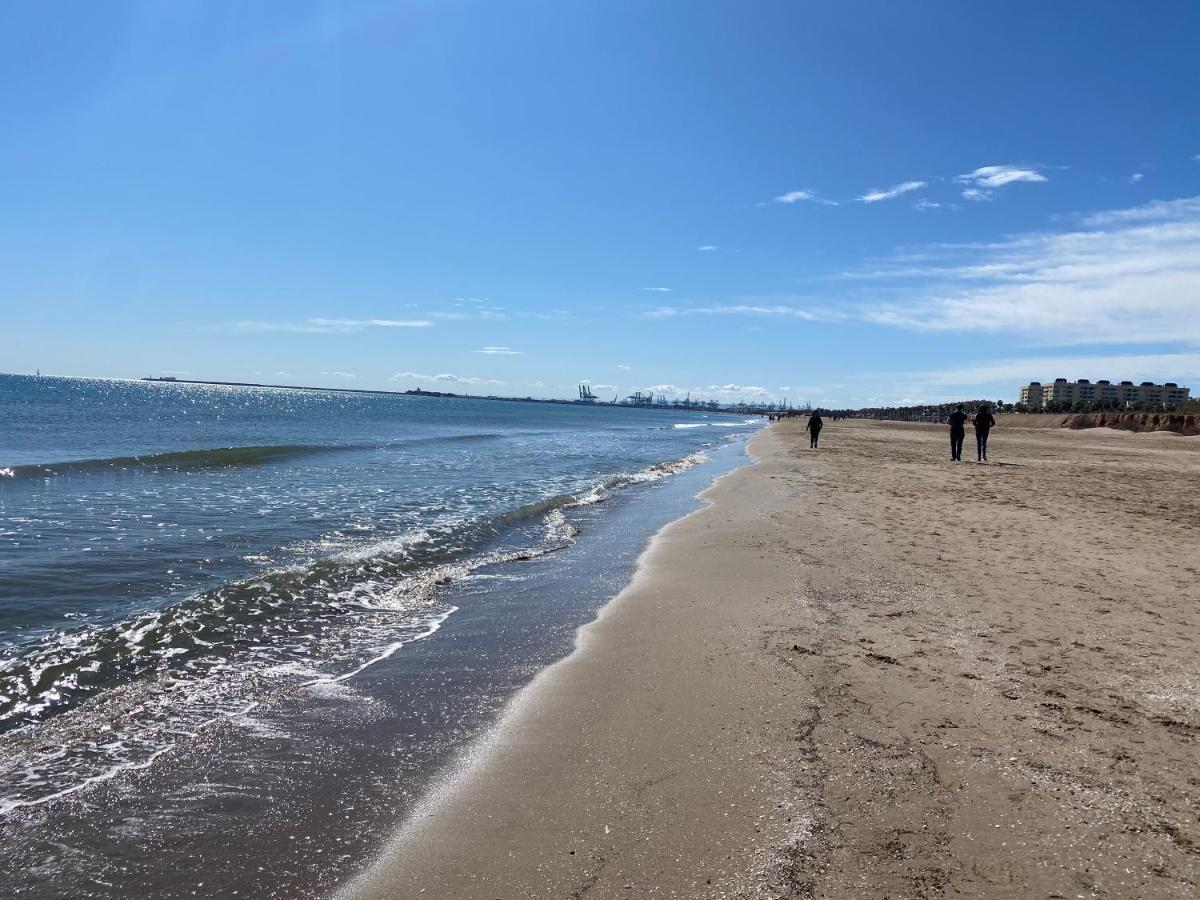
(217, 457)
(143, 682)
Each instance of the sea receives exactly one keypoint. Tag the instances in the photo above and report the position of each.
(243, 630)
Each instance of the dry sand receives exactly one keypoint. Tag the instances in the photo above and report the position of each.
(869, 672)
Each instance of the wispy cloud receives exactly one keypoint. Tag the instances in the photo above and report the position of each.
(340, 374)
(890, 193)
(708, 247)
(444, 377)
(976, 194)
(623, 368)
(1125, 276)
(926, 205)
(983, 182)
(1181, 210)
(743, 309)
(330, 326)
(803, 196)
(1136, 177)
(725, 392)
(999, 176)
(1018, 370)
(498, 351)
(661, 290)
(470, 312)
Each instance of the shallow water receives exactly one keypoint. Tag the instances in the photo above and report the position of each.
(189, 575)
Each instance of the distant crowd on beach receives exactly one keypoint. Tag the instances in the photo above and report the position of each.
(983, 421)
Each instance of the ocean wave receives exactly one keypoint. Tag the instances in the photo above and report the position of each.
(145, 681)
(212, 458)
(738, 424)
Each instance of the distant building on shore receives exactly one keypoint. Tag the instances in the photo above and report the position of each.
(1062, 395)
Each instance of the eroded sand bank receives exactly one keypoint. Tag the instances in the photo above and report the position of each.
(864, 672)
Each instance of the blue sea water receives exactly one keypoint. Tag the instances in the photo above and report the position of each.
(171, 554)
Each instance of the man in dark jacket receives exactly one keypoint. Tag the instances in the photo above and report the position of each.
(814, 428)
(958, 433)
(983, 421)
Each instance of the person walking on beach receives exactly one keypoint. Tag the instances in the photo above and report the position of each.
(983, 421)
(814, 429)
(958, 433)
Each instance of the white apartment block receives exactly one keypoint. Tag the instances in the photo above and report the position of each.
(1036, 395)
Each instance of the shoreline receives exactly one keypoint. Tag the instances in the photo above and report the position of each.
(859, 672)
(422, 832)
(287, 797)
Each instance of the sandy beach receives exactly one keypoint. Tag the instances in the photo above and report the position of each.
(869, 672)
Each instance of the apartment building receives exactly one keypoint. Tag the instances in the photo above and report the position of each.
(1063, 393)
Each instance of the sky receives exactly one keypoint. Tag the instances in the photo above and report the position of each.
(842, 203)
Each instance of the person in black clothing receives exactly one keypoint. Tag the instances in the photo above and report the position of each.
(983, 421)
(814, 428)
(958, 433)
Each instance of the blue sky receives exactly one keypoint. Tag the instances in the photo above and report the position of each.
(845, 203)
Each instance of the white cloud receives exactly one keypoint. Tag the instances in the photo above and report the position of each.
(742, 309)
(735, 391)
(798, 196)
(1136, 177)
(1127, 276)
(498, 351)
(479, 312)
(445, 377)
(976, 194)
(924, 205)
(537, 384)
(623, 368)
(1021, 370)
(707, 247)
(725, 392)
(1182, 209)
(340, 374)
(659, 289)
(889, 193)
(990, 177)
(330, 326)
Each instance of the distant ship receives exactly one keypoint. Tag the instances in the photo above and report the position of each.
(160, 378)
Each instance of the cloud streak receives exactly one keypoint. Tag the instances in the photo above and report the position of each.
(984, 181)
(743, 309)
(445, 378)
(329, 326)
(802, 197)
(498, 351)
(891, 193)
(1126, 276)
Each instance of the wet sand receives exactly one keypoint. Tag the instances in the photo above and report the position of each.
(864, 671)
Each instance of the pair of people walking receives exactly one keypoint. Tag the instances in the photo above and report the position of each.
(983, 422)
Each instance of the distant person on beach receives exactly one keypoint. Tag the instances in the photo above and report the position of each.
(983, 421)
(814, 429)
(958, 433)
